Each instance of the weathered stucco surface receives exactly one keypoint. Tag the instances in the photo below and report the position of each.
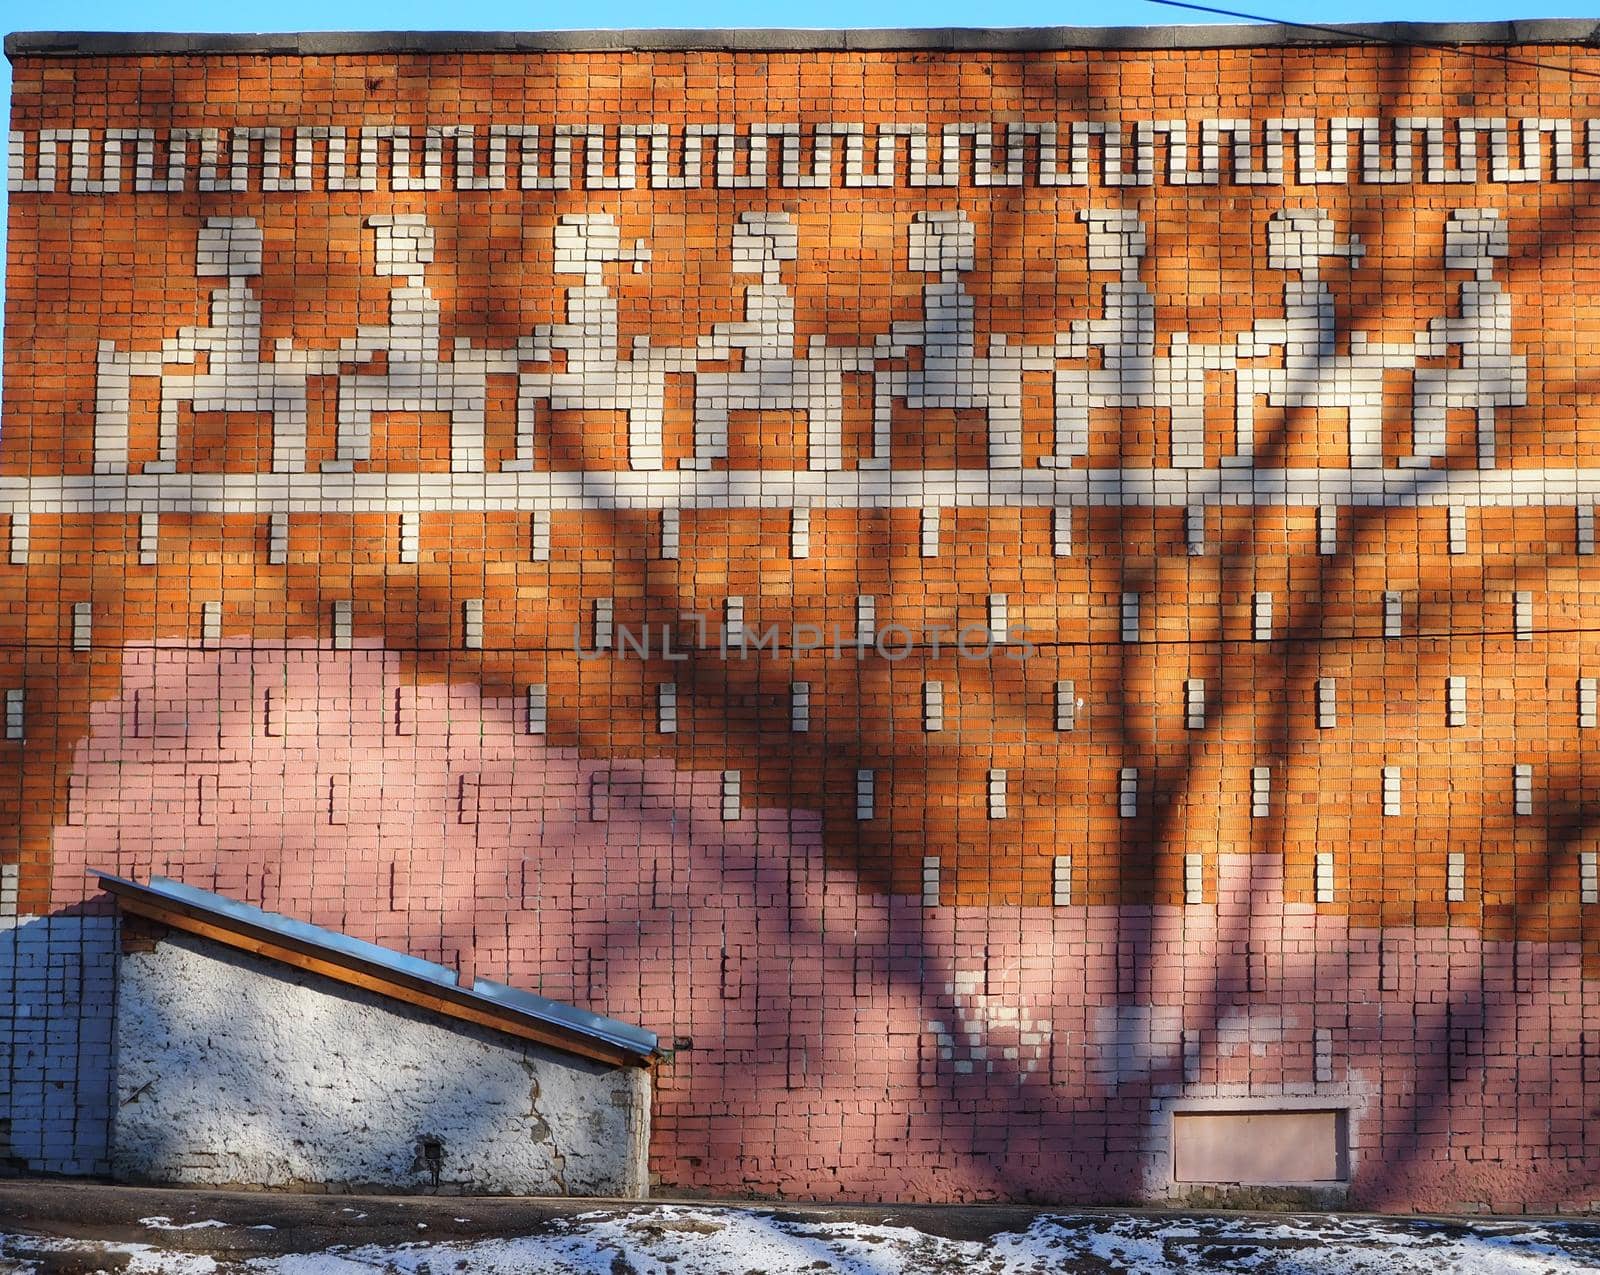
(235, 1070)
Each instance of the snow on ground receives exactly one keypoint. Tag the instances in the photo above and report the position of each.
(161, 1222)
(27, 1254)
(680, 1240)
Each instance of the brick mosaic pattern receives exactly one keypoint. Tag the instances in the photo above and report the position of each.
(1179, 458)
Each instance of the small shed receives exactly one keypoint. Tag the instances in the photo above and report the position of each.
(254, 1050)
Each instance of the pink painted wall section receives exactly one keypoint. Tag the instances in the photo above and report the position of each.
(835, 1041)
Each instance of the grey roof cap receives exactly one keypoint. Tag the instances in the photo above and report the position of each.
(1581, 31)
(231, 914)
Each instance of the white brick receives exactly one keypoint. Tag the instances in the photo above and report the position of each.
(410, 540)
(1455, 888)
(800, 533)
(1194, 886)
(1393, 614)
(997, 784)
(731, 799)
(999, 618)
(1128, 792)
(1455, 701)
(1458, 529)
(21, 534)
(1194, 703)
(800, 707)
(1324, 882)
(1588, 877)
(604, 616)
(667, 708)
(278, 539)
(866, 783)
(538, 708)
(1524, 616)
(1066, 704)
(1588, 703)
(670, 529)
(82, 625)
(539, 535)
(930, 533)
(1391, 791)
(1193, 1056)
(1261, 617)
(930, 881)
(210, 623)
(149, 538)
(1130, 617)
(1327, 530)
(1061, 881)
(15, 709)
(933, 706)
(343, 625)
(1522, 789)
(1061, 531)
(1327, 703)
(1260, 792)
(866, 619)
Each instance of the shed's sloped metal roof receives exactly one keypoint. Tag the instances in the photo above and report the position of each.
(338, 948)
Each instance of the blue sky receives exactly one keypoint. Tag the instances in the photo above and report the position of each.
(488, 15)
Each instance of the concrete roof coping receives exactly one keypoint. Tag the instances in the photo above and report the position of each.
(1579, 31)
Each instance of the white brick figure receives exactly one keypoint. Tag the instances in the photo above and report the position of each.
(952, 374)
(414, 378)
(595, 377)
(1489, 374)
(1312, 373)
(235, 380)
(771, 376)
(1129, 373)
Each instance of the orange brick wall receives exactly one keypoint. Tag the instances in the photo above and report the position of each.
(1067, 529)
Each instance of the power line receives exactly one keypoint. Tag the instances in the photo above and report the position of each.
(1503, 59)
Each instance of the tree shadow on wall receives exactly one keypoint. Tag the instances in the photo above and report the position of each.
(1000, 1131)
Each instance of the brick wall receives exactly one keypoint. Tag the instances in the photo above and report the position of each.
(1195, 436)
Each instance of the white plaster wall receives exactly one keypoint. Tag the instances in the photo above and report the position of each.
(235, 1070)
